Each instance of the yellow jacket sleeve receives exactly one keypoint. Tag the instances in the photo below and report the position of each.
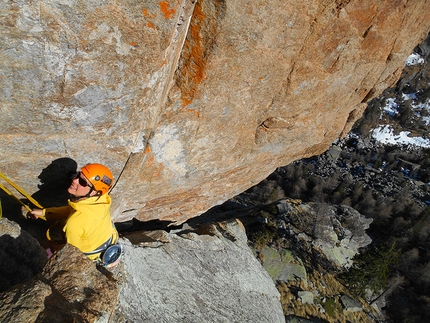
(57, 213)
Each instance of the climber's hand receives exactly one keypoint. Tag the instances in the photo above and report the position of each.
(36, 213)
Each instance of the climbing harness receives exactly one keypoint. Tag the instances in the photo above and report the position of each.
(20, 190)
(100, 249)
(110, 253)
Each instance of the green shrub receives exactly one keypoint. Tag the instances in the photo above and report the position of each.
(263, 235)
(331, 307)
(371, 269)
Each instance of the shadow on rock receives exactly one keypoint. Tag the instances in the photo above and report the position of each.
(69, 289)
(55, 180)
(21, 256)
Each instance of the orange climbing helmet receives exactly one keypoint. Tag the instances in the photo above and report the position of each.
(99, 176)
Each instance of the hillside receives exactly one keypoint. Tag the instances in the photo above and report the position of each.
(385, 178)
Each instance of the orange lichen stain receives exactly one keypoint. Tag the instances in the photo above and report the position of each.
(133, 43)
(195, 68)
(150, 25)
(146, 14)
(197, 113)
(151, 161)
(147, 149)
(164, 7)
(156, 168)
(186, 99)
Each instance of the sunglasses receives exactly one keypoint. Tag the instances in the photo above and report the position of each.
(82, 181)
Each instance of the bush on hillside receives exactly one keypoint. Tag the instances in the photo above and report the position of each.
(371, 269)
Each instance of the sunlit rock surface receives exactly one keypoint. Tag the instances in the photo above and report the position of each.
(204, 275)
(208, 275)
(190, 102)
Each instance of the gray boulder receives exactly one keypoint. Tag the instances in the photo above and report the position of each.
(336, 231)
(208, 274)
(211, 277)
(340, 233)
(350, 304)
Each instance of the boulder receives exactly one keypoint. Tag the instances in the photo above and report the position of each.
(204, 275)
(306, 297)
(25, 302)
(190, 102)
(341, 234)
(69, 289)
(207, 274)
(335, 231)
(21, 256)
(283, 265)
(350, 304)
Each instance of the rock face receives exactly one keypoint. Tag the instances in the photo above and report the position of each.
(191, 102)
(21, 256)
(204, 275)
(211, 277)
(69, 289)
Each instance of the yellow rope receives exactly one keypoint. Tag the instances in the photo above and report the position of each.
(19, 189)
(11, 195)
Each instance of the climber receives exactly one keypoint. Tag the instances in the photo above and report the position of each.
(86, 222)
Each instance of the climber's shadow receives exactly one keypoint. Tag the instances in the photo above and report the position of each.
(55, 179)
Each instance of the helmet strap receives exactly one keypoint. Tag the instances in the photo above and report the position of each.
(75, 198)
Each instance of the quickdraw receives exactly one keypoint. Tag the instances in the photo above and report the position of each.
(20, 190)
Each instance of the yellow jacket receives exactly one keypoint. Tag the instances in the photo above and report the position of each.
(88, 223)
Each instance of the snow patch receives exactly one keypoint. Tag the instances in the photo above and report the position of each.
(410, 96)
(391, 107)
(423, 109)
(385, 135)
(414, 59)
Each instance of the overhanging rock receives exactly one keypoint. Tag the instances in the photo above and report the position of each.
(190, 102)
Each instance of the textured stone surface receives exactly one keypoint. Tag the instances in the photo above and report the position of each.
(190, 102)
(208, 277)
(341, 233)
(21, 256)
(282, 265)
(336, 231)
(24, 303)
(69, 289)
